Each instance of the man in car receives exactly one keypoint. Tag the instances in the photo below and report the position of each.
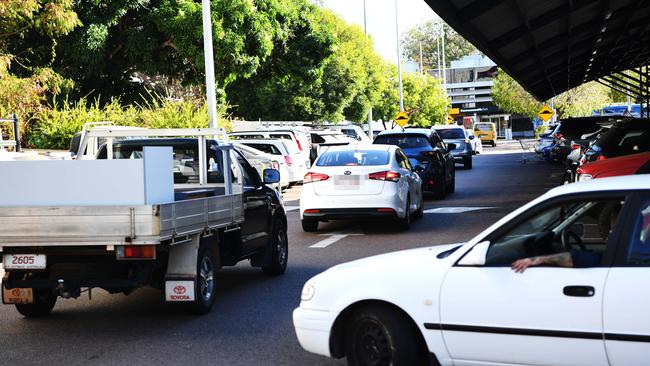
(575, 258)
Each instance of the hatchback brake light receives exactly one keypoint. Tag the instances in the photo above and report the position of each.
(288, 159)
(314, 177)
(299, 145)
(601, 157)
(385, 175)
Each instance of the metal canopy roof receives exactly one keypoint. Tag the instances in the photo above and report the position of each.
(551, 46)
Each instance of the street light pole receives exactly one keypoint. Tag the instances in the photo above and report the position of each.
(210, 85)
(399, 62)
(421, 67)
(365, 30)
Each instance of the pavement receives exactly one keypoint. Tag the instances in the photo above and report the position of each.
(250, 323)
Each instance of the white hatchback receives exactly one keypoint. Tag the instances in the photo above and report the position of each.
(582, 299)
(361, 182)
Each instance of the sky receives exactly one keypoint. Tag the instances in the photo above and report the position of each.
(381, 19)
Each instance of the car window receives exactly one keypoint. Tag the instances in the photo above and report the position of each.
(247, 137)
(451, 133)
(317, 139)
(353, 158)
(582, 226)
(250, 175)
(638, 253)
(483, 127)
(402, 160)
(281, 136)
(405, 141)
(267, 148)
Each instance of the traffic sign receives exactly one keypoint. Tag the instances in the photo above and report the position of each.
(546, 113)
(450, 120)
(402, 119)
(454, 111)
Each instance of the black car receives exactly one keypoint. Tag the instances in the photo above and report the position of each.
(432, 157)
(572, 129)
(625, 137)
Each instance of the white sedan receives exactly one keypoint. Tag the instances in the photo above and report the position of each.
(361, 182)
(561, 281)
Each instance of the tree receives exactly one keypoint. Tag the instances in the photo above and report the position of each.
(25, 78)
(577, 102)
(424, 98)
(427, 33)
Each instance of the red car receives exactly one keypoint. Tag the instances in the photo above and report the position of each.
(623, 165)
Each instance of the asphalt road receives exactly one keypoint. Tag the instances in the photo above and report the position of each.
(250, 323)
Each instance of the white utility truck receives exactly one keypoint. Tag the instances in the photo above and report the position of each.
(136, 207)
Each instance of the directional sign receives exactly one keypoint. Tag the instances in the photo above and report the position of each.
(402, 119)
(454, 111)
(450, 120)
(546, 113)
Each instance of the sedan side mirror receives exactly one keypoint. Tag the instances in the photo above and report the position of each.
(271, 176)
(476, 256)
(451, 147)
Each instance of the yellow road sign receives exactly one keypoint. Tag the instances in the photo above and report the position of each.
(546, 113)
(402, 119)
(454, 111)
(450, 120)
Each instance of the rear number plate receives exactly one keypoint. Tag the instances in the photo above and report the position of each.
(24, 261)
(346, 181)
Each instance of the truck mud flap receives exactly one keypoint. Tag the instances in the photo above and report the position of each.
(181, 290)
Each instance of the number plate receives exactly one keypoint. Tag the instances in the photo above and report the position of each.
(24, 261)
(347, 181)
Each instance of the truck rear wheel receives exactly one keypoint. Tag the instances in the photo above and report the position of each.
(204, 286)
(279, 250)
(44, 301)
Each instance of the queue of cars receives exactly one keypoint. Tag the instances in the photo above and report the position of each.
(584, 144)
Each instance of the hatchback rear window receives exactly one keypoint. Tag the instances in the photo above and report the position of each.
(451, 133)
(405, 141)
(353, 158)
(267, 148)
(483, 127)
(247, 137)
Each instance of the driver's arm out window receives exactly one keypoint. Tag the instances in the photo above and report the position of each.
(579, 227)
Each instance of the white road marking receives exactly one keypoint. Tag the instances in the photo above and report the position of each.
(291, 208)
(333, 238)
(329, 241)
(453, 210)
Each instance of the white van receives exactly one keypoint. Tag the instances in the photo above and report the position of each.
(352, 131)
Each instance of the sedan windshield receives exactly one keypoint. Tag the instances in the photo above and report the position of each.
(353, 158)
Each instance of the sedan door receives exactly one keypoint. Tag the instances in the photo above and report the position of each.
(627, 292)
(544, 316)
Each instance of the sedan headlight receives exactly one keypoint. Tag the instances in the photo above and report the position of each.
(308, 292)
(584, 177)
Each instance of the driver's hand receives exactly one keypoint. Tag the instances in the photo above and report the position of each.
(520, 265)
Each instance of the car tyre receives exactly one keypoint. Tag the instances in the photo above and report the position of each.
(451, 188)
(441, 189)
(467, 162)
(207, 264)
(44, 301)
(420, 211)
(279, 250)
(309, 226)
(405, 222)
(379, 335)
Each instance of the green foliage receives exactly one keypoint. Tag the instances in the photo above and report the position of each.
(54, 127)
(424, 98)
(577, 102)
(428, 34)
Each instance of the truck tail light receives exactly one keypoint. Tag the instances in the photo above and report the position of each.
(135, 252)
(385, 175)
(314, 177)
(288, 159)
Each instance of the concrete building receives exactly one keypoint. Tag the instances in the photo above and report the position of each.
(469, 84)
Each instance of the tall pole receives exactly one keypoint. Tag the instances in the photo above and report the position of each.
(365, 30)
(444, 62)
(399, 62)
(438, 55)
(210, 85)
(421, 68)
